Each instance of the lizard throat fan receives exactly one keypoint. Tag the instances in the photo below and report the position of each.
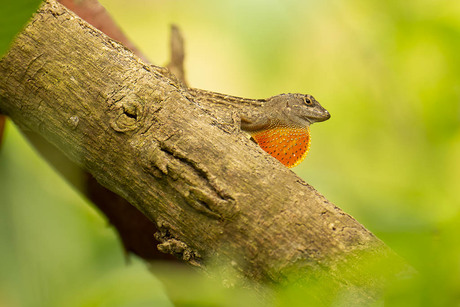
(289, 145)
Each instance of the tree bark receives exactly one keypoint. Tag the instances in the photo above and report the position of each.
(212, 194)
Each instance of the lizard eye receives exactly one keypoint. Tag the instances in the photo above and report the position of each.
(307, 101)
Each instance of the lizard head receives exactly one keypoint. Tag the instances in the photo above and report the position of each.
(297, 110)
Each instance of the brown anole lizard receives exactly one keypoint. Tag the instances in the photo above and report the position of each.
(279, 124)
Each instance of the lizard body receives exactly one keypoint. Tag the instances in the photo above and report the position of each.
(279, 124)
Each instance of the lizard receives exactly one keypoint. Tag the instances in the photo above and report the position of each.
(280, 125)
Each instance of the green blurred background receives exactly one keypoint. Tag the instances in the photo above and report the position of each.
(388, 72)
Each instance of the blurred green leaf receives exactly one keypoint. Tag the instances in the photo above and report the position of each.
(13, 16)
(55, 249)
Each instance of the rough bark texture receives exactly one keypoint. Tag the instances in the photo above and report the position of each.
(211, 193)
(95, 14)
(134, 229)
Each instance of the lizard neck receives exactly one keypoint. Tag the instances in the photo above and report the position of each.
(228, 100)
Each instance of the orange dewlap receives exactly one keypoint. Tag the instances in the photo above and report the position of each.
(289, 145)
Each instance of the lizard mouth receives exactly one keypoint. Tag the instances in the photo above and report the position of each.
(318, 117)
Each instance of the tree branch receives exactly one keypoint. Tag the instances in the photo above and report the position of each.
(134, 229)
(212, 194)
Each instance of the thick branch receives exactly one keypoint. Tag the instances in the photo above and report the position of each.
(210, 192)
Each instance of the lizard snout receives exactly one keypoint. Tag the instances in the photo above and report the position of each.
(319, 116)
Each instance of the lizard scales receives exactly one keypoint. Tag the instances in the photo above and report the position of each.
(279, 124)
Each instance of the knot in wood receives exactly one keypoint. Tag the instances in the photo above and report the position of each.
(127, 114)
